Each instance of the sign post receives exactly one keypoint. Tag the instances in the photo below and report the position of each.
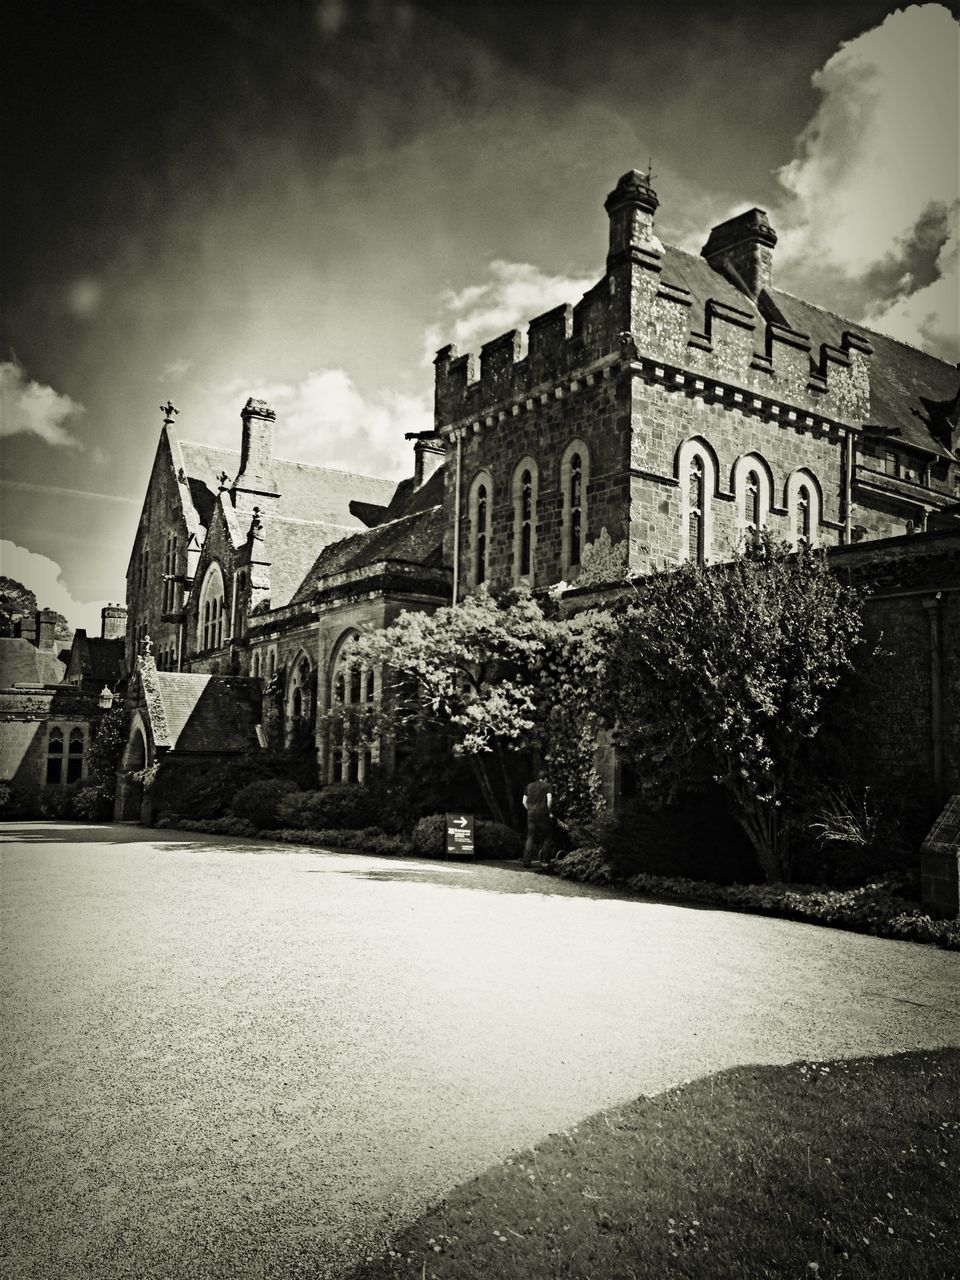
(460, 835)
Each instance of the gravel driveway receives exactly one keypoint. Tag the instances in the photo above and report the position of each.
(224, 1058)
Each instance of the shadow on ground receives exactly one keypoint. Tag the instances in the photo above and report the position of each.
(847, 1168)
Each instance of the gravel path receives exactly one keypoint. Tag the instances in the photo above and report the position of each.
(230, 1059)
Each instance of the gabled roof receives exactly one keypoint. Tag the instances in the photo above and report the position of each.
(23, 663)
(201, 713)
(414, 539)
(315, 494)
(95, 659)
(292, 546)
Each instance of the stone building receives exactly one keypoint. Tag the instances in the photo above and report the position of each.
(49, 709)
(681, 404)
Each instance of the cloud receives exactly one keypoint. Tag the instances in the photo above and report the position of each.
(175, 369)
(30, 408)
(512, 296)
(44, 577)
(325, 419)
(872, 190)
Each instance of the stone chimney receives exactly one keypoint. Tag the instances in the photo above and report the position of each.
(631, 206)
(255, 485)
(46, 626)
(113, 622)
(741, 249)
(26, 629)
(428, 455)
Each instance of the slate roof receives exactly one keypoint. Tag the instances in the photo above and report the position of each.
(315, 494)
(413, 539)
(899, 374)
(23, 663)
(205, 713)
(292, 546)
(95, 659)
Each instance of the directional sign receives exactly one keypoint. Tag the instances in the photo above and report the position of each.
(459, 835)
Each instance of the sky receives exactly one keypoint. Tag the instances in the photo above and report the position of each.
(206, 200)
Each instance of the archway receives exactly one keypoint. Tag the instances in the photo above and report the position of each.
(130, 799)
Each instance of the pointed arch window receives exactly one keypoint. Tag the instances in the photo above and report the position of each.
(574, 475)
(211, 611)
(481, 514)
(75, 756)
(803, 506)
(54, 757)
(525, 487)
(353, 751)
(696, 473)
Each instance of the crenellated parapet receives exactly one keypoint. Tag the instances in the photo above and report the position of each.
(729, 337)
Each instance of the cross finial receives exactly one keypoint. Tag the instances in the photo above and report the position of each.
(650, 174)
(223, 480)
(168, 410)
(147, 646)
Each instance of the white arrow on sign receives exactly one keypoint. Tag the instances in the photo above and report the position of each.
(462, 821)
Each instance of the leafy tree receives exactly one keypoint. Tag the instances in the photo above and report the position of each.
(16, 601)
(725, 672)
(499, 677)
(603, 561)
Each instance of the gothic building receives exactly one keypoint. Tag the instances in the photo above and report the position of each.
(683, 403)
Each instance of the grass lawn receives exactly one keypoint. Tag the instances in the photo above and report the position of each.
(837, 1169)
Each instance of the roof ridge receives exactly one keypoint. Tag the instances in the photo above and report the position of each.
(292, 462)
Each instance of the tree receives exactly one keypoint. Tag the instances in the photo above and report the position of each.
(725, 672)
(498, 676)
(16, 602)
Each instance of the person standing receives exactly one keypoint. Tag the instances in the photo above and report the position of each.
(538, 802)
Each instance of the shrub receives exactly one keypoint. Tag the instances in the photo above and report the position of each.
(494, 840)
(388, 845)
(491, 839)
(258, 802)
(229, 826)
(588, 865)
(339, 805)
(695, 837)
(858, 835)
(18, 802)
(57, 802)
(93, 802)
(430, 836)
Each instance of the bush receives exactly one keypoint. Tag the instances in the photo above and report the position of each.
(339, 805)
(93, 802)
(57, 802)
(430, 836)
(18, 802)
(389, 846)
(491, 839)
(229, 826)
(857, 834)
(494, 840)
(875, 908)
(695, 837)
(258, 802)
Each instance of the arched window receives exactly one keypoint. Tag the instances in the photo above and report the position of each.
(211, 610)
(525, 486)
(75, 756)
(751, 485)
(300, 703)
(696, 473)
(574, 476)
(239, 603)
(803, 507)
(170, 589)
(54, 757)
(481, 513)
(271, 664)
(353, 751)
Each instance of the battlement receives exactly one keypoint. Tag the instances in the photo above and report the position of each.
(724, 337)
(729, 344)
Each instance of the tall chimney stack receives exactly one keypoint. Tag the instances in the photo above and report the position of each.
(255, 485)
(741, 249)
(113, 622)
(46, 627)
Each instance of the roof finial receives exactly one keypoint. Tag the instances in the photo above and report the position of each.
(147, 647)
(168, 410)
(223, 480)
